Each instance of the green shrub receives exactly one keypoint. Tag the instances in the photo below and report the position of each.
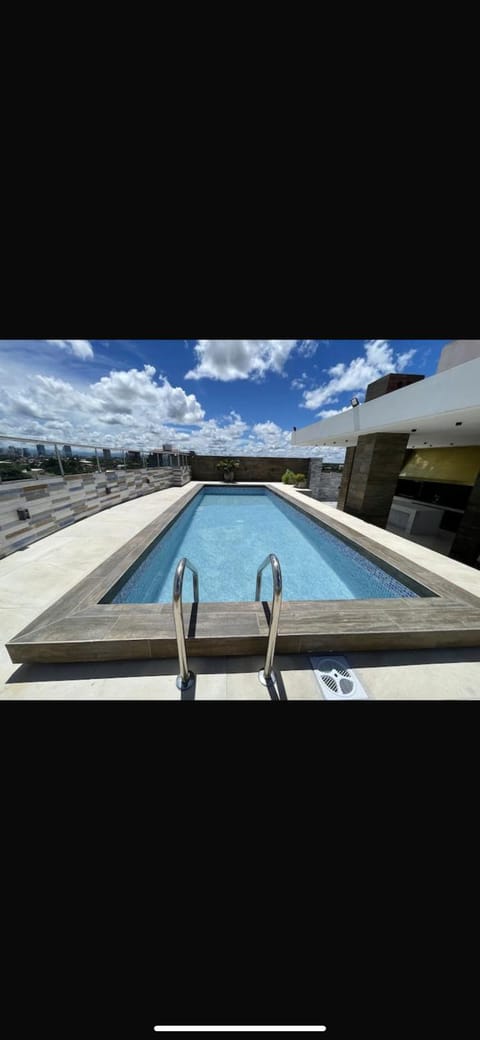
(289, 477)
(10, 473)
(300, 478)
(228, 464)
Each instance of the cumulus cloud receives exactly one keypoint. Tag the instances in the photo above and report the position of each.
(124, 392)
(328, 412)
(25, 407)
(80, 348)
(404, 359)
(379, 358)
(228, 359)
(308, 347)
(134, 408)
(271, 435)
(233, 436)
(300, 382)
(132, 400)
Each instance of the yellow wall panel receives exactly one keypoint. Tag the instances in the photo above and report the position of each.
(447, 465)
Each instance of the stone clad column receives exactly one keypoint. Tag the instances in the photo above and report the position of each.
(466, 546)
(347, 472)
(315, 476)
(369, 489)
(324, 485)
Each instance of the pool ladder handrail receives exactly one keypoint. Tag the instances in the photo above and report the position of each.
(186, 678)
(266, 675)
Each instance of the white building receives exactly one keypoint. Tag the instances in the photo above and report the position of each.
(413, 455)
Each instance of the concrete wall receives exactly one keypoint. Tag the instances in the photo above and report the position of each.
(457, 353)
(252, 467)
(56, 502)
(324, 486)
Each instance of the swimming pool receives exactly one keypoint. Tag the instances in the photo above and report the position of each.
(87, 625)
(226, 534)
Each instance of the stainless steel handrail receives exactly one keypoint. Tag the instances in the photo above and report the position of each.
(186, 678)
(266, 675)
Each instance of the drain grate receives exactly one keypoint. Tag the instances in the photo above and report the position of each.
(336, 680)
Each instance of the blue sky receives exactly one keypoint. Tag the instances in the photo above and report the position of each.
(214, 396)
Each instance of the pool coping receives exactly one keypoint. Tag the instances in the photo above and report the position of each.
(77, 627)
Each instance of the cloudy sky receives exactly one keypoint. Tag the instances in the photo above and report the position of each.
(233, 397)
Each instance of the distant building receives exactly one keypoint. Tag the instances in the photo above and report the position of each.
(107, 454)
(67, 451)
(387, 384)
(41, 449)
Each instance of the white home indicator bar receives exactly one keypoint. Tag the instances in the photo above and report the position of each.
(240, 1029)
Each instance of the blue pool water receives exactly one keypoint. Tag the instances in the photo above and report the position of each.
(227, 533)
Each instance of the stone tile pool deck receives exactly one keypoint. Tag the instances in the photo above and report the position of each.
(33, 580)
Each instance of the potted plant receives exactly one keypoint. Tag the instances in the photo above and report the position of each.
(228, 467)
(289, 477)
(300, 480)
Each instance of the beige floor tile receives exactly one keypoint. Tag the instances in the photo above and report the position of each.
(121, 687)
(246, 687)
(210, 678)
(111, 680)
(211, 687)
(434, 682)
(13, 593)
(242, 680)
(294, 675)
(56, 692)
(298, 678)
(144, 688)
(14, 618)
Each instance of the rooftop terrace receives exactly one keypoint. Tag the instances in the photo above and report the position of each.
(32, 581)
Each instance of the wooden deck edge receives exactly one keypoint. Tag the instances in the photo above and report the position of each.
(218, 646)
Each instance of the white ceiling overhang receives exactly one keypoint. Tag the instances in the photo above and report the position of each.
(441, 411)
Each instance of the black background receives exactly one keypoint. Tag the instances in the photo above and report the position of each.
(301, 864)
